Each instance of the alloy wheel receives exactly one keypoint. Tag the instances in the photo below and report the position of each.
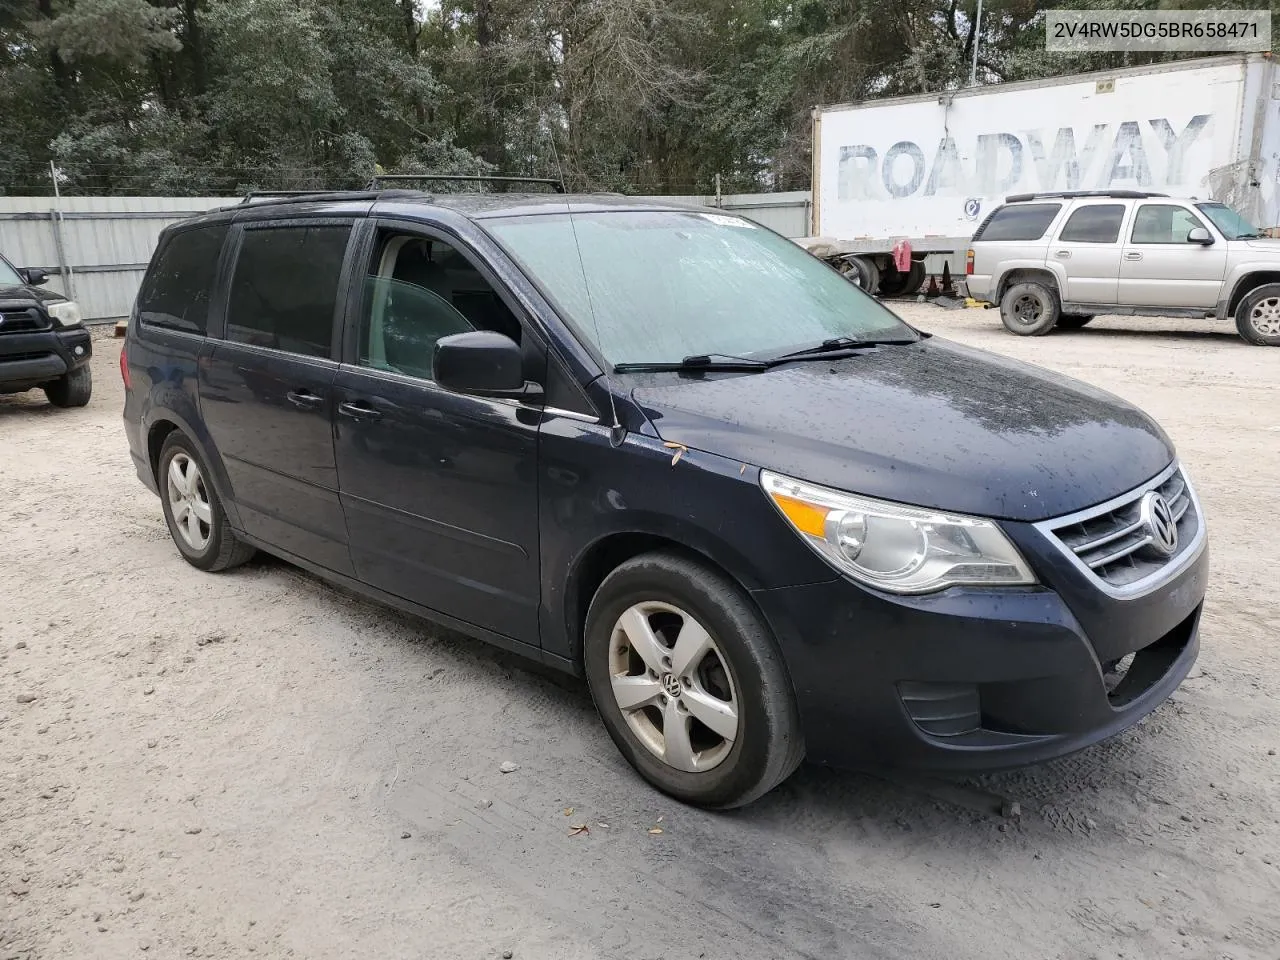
(1265, 317)
(189, 502)
(673, 686)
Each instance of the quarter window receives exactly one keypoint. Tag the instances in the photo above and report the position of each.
(1163, 223)
(176, 291)
(285, 290)
(1020, 221)
(1096, 223)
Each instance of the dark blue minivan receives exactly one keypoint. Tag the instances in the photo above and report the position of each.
(667, 449)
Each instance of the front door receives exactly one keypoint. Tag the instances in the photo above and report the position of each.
(439, 489)
(266, 392)
(1088, 250)
(1161, 268)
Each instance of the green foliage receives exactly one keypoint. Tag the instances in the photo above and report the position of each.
(201, 96)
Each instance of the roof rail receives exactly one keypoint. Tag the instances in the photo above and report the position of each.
(557, 185)
(270, 197)
(1073, 194)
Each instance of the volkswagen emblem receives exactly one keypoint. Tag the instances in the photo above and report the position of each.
(1161, 528)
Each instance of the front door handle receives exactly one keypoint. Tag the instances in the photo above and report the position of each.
(1133, 255)
(358, 410)
(304, 399)
(1064, 254)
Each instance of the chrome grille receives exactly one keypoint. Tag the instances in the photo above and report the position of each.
(1115, 544)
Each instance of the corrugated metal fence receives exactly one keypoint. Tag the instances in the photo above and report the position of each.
(95, 249)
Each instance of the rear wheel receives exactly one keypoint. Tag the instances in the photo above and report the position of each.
(1258, 316)
(193, 511)
(690, 683)
(1073, 321)
(1029, 309)
(72, 389)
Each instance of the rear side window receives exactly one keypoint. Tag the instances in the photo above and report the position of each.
(285, 288)
(1022, 221)
(175, 293)
(1096, 223)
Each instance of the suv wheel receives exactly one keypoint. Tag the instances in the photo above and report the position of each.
(690, 683)
(1073, 321)
(71, 389)
(1258, 316)
(1029, 309)
(193, 511)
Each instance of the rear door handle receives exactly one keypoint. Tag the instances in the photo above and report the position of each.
(1064, 254)
(358, 410)
(1133, 255)
(304, 399)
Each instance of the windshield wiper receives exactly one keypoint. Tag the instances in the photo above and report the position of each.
(837, 345)
(1248, 236)
(713, 362)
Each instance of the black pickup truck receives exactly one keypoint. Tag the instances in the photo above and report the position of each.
(42, 341)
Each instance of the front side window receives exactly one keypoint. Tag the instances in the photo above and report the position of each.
(656, 286)
(417, 290)
(1163, 223)
(1232, 225)
(1019, 221)
(1097, 223)
(177, 288)
(284, 292)
(9, 276)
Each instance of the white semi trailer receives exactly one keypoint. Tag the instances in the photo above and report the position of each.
(927, 170)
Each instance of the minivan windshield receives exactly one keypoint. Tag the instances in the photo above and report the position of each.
(659, 286)
(1232, 225)
(8, 276)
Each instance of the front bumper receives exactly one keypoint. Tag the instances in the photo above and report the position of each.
(970, 680)
(30, 359)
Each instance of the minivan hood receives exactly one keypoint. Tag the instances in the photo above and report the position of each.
(934, 424)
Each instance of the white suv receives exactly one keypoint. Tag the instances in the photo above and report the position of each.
(1058, 259)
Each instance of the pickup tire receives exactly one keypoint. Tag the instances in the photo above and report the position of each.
(1073, 321)
(71, 389)
(1030, 309)
(1258, 316)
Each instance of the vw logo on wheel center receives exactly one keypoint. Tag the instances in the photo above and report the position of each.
(1157, 518)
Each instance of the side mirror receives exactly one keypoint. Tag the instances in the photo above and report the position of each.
(34, 276)
(479, 361)
(1199, 235)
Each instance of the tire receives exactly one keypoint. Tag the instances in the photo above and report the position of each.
(636, 618)
(1029, 309)
(197, 523)
(1073, 321)
(862, 272)
(71, 389)
(895, 283)
(1258, 316)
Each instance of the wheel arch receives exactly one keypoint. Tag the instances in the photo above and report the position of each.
(1027, 274)
(608, 552)
(160, 424)
(1246, 284)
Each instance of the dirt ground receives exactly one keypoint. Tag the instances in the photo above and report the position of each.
(252, 764)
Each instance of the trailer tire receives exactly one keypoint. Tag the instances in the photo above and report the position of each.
(1030, 309)
(862, 272)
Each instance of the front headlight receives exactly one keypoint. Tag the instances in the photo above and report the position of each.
(893, 547)
(65, 312)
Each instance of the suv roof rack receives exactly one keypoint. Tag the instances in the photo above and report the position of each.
(1073, 194)
(557, 185)
(306, 196)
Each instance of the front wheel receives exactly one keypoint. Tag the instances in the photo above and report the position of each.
(72, 389)
(1258, 316)
(1029, 309)
(690, 683)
